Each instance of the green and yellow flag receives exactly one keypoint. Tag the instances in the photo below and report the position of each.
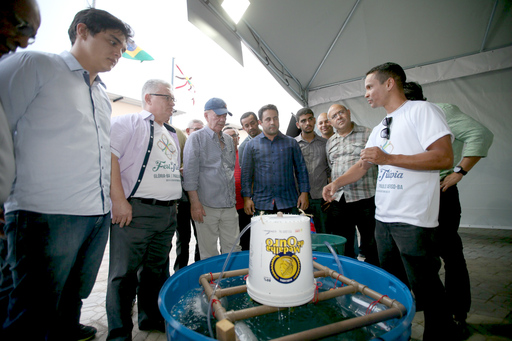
(136, 53)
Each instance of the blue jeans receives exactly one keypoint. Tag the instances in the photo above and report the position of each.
(53, 261)
(408, 252)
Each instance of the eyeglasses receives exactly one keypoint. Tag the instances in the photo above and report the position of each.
(337, 114)
(386, 132)
(235, 133)
(168, 97)
(25, 29)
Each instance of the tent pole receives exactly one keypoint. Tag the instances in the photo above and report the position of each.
(484, 41)
(334, 43)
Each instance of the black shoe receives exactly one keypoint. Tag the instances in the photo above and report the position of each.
(148, 326)
(462, 329)
(85, 332)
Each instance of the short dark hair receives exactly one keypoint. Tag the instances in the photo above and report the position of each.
(302, 112)
(248, 114)
(389, 70)
(97, 21)
(265, 108)
(413, 91)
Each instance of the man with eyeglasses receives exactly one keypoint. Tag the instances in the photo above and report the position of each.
(19, 22)
(410, 147)
(145, 188)
(354, 204)
(58, 212)
(194, 125)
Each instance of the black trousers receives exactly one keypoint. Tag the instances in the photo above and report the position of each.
(183, 236)
(450, 249)
(342, 219)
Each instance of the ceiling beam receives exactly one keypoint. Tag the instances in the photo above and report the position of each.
(262, 51)
(491, 17)
(283, 76)
(334, 43)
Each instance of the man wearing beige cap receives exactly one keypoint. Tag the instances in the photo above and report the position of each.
(209, 178)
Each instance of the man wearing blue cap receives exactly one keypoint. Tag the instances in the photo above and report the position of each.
(209, 178)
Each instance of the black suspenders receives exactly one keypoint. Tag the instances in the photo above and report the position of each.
(146, 158)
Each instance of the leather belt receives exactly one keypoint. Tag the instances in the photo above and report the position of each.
(155, 202)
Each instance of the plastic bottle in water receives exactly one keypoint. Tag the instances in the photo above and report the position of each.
(243, 332)
(359, 305)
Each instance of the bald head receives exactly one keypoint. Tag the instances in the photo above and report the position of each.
(335, 108)
(339, 117)
(322, 123)
(19, 22)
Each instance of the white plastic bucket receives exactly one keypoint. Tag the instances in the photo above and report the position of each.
(281, 261)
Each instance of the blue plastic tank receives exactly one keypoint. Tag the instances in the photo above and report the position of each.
(377, 279)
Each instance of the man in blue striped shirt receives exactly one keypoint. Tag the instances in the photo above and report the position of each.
(272, 162)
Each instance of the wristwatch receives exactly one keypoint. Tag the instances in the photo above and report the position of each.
(459, 169)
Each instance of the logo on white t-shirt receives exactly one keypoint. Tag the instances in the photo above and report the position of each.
(162, 178)
(166, 145)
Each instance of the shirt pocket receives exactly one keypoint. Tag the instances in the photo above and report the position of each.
(228, 159)
(355, 149)
(263, 159)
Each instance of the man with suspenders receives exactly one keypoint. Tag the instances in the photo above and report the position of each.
(145, 187)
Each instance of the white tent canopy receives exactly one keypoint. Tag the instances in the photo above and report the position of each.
(459, 50)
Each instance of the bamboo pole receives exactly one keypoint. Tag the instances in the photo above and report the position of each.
(364, 289)
(396, 309)
(342, 326)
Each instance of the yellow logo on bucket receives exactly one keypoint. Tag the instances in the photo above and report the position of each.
(284, 245)
(285, 265)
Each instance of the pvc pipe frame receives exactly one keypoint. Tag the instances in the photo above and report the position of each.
(396, 309)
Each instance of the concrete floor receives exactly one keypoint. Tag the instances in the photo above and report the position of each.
(488, 254)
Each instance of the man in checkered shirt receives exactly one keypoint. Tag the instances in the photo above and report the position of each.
(353, 204)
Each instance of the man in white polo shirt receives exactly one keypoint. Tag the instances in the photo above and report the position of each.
(146, 185)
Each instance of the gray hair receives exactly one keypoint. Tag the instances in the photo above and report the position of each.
(150, 87)
(228, 127)
(191, 123)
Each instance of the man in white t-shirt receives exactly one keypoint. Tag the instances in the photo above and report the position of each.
(410, 146)
(145, 187)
